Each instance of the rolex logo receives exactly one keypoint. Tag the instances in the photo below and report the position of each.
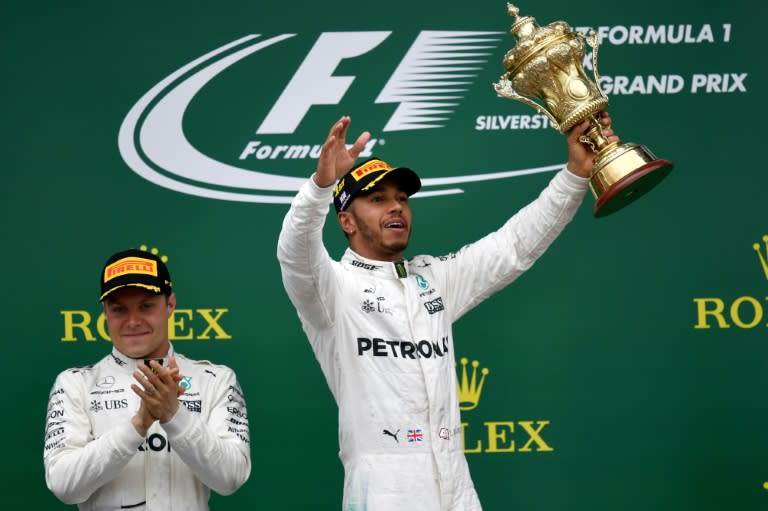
(763, 256)
(741, 310)
(202, 323)
(494, 436)
(469, 387)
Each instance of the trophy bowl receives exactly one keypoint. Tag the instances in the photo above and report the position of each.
(544, 70)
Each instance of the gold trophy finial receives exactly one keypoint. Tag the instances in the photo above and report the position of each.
(544, 70)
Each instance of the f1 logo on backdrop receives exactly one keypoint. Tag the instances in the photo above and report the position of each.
(426, 86)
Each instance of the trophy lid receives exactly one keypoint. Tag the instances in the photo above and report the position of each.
(531, 38)
(523, 26)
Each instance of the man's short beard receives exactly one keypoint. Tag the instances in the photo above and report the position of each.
(363, 229)
(396, 249)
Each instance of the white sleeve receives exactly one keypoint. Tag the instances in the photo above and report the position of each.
(482, 268)
(76, 464)
(307, 269)
(217, 450)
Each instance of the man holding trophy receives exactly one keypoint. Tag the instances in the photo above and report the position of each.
(380, 325)
(392, 370)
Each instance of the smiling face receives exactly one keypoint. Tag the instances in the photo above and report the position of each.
(138, 321)
(378, 224)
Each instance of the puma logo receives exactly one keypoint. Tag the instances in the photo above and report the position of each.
(393, 435)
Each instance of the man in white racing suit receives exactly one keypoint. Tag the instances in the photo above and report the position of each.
(144, 428)
(380, 325)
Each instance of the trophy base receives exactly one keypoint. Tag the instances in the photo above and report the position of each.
(624, 175)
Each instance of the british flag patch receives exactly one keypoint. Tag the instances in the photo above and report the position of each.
(414, 435)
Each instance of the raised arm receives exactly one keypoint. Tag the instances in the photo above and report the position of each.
(493, 262)
(305, 264)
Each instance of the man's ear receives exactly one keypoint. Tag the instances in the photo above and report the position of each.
(171, 303)
(347, 222)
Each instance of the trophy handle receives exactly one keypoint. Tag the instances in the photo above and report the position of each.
(593, 40)
(504, 88)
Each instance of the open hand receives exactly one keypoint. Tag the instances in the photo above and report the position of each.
(335, 159)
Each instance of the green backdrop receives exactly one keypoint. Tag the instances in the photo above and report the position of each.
(626, 369)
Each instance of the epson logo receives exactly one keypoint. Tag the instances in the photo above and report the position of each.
(237, 412)
(153, 143)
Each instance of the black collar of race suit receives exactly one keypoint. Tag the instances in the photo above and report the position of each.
(383, 269)
(129, 364)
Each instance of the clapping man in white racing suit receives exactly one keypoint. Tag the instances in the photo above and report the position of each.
(145, 428)
(380, 324)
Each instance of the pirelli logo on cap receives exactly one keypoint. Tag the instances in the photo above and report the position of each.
(130, 265)
(371, 166)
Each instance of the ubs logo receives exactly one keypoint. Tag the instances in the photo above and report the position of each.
(109, 404)
(369, 306)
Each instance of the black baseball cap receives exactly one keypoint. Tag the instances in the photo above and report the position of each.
(364, 176)
(135, 268)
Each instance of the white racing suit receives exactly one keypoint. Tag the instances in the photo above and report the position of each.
(381, 332)
(95, 458)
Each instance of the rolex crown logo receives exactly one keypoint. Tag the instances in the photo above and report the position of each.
(763, 255)
(469, 387)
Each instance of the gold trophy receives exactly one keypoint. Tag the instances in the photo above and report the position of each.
(546, 64)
